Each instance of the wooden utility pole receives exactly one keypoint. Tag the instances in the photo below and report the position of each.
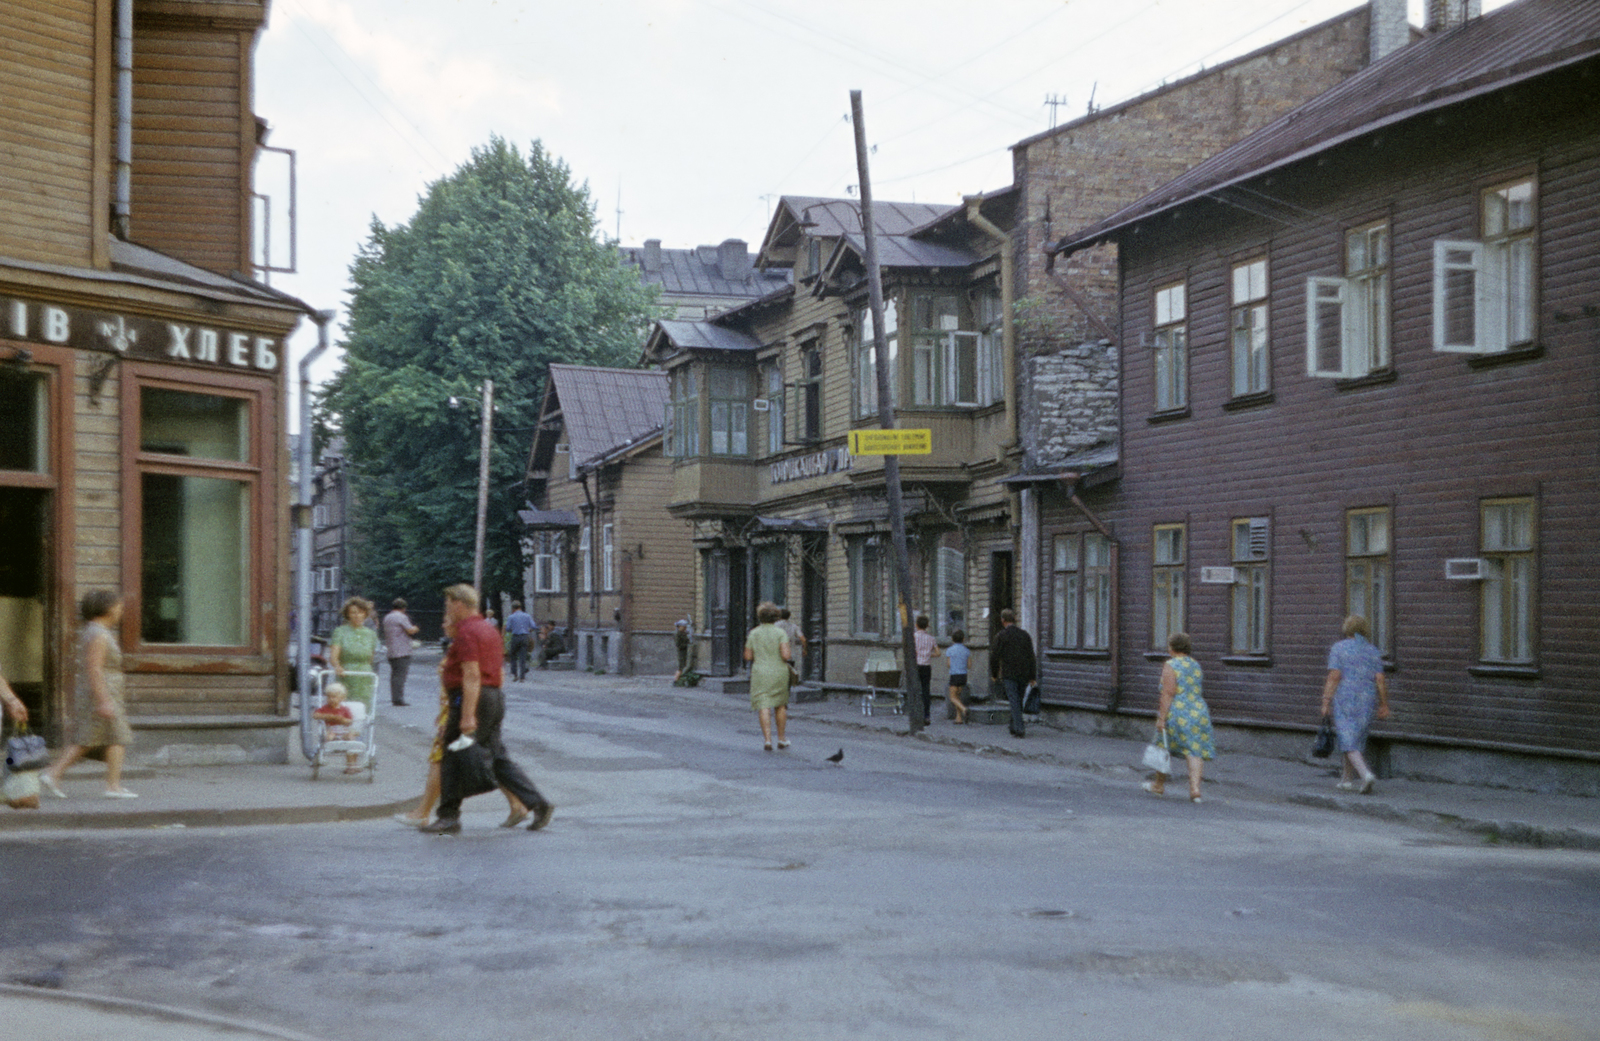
(485, 432)
(891, 463)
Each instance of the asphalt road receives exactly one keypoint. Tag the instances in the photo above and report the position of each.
(693, 886)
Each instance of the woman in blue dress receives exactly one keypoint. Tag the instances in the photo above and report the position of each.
(1183, 715)
(1354, 694)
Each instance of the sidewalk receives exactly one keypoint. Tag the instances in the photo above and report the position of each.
(285, 794)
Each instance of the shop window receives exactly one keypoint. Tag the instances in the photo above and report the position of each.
(1366, 570)
(1484, 293)
(949, 585)
(1171, 348)
(772, 574)
(1251, 558)
(1252, 361)
(1168, 582)
(196, 491)
(868, 606)
(25, 430)
(1508, 585)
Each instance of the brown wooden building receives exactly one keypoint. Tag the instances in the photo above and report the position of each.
(141, 371)
(1359, 358)
(607, 559)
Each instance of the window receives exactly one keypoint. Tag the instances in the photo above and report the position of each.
(868, 606)
(1251, 553)
(319, 515)
(991, 347)
(1171, 348)
(25, 434)
(730, 410)
(866, 367)
(1366, 571)
(328, 579)
(1507, 591)
(196, 495)
(608, 557)
(1484, 292)
(948, 585)
(811, 393)
(813, 257)
(775, 425)
(1167, 584)
(682, 433)
(944, 359)
(547, 563)
(1251, 358)
(586, 558)
(1082, 573)
(1347, 319)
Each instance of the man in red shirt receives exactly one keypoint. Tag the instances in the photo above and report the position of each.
(471, 675)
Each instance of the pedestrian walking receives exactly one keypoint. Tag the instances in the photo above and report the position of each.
(797, 640)
(472, 674)
(1012, 664)
(766, 648)
(959, 655)
(1355, 692)
(397, 647)
(1183, 715)
(352, 649)
(102, 714)
(684, 641)
(927, 649)
(520, 626)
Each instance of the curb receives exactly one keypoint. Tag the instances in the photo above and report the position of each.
(130, 1007)
(1512, 832)
(36, 820)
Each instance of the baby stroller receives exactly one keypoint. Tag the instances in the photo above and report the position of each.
(363, 740)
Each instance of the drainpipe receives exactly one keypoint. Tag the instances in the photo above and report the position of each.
(302, 568)
(1007, 323)
(122, 205)
(1069, 484)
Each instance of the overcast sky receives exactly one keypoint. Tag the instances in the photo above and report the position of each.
(691, 116)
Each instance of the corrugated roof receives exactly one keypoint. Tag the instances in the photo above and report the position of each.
(705, 336)
(1517, 42)
(901, 251)
(698, 272)
(607, 409)
(835, 217)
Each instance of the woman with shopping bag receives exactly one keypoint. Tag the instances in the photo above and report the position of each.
(1183, 721)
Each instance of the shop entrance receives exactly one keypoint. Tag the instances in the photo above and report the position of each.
(725, 609)
(1002, 589)
(814, 606)
(25, 535)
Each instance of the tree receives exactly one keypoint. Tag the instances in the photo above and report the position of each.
(499, 273)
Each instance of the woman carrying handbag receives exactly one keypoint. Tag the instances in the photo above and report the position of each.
(1183, 721)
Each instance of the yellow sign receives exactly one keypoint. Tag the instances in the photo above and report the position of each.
(891, 442)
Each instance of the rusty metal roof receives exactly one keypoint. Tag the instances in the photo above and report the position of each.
(798, 215)
(698, 272)
(698, 336)
(902, 251)
(607, 409)
(1518, 42)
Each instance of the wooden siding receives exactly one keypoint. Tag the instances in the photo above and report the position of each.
(1431, 443)
(168, 694)
(663, 558)
(192, 145)
(48, 131)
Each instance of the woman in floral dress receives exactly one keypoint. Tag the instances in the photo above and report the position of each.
(1183, 715)
(1355, 693)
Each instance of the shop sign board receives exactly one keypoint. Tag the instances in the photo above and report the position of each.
(134, 336)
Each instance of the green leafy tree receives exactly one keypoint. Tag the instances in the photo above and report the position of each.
(499, 273)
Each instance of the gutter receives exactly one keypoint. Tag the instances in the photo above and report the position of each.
(122, 204)
(303, 548)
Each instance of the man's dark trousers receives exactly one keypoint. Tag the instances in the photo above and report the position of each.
(398, 669)
(1014, 692)
(521, 644)
(491, 712)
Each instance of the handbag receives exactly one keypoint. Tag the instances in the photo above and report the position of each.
(26, 751)
(474, 769)
(20, 791)
(794, 676)
(1322, 746)
(1156, 756)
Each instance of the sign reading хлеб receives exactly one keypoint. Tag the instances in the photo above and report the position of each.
(137, 337)
(891, 442)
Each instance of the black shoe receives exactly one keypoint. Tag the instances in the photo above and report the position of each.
(542, 815)
(400, 704)
(442, 826)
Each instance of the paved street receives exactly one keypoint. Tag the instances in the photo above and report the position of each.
(692, 886)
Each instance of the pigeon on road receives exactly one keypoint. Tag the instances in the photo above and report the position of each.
(837, 757)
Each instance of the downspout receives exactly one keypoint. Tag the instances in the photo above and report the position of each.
(1008, 336)
(594, 587)
(1069, 484)
(303, 550)
(122, 203)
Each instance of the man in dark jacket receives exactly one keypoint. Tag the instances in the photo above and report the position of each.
(1012, 663)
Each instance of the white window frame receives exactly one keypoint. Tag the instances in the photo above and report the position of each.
(1259, 306)
(865, 369)
(319, 515)
(1249, 613)
(1169, 594)
(1509, 589)
(1169, 357)
(1457, 255)
(1505, 309)
(1369, 575)
(1066, 559)
(775, 406)
(586, 557)
(608, 557)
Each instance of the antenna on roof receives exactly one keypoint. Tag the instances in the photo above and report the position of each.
(619, 209)
(1052, 102)
(1091, 96)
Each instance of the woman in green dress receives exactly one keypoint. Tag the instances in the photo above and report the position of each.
(1183, 715)
(351, 650)
(767, 651)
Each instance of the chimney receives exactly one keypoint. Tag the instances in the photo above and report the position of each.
(652, 255)
(734, 259)
(1390, 29)
(1448, 14)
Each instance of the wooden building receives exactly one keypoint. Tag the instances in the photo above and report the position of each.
(762, 399)
(1359, 358)
(608, 561)
(141, 371)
